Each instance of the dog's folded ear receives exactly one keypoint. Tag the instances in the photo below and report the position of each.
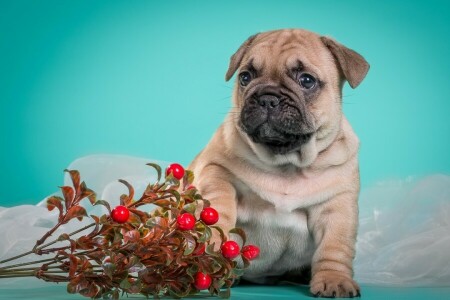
(352, 65)
(237, 57)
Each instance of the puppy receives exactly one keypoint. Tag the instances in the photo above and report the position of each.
(284, 164)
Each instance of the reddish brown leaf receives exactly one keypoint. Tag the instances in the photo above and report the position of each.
(91, 291)
(131, 236)
(75, 176)
(73, 265)
(55, 201)
(75, 212)
(128, 199)
(86, 192)
(68, 194)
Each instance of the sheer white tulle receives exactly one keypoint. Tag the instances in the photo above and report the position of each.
(403, 238)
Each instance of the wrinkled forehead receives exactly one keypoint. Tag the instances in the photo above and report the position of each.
(278, 51)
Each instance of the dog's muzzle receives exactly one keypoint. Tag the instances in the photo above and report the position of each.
(270, 121)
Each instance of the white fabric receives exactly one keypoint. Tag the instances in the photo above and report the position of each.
(403, 238)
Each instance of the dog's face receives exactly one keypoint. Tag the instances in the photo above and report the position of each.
(288, 92)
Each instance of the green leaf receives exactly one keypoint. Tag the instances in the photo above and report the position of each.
(125, 284)
(238, 272)
(170, 180)
(241, 233)
(222, 234)
(109, 269)
(225, 294)
(188, 177)
(190, 243)
(210, 249)
(206, 236)
(104, 203)
(157, 168)
(190, 208)
(176, 194)
(192, 270)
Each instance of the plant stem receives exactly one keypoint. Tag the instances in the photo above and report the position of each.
(29, 263)
(36, 249)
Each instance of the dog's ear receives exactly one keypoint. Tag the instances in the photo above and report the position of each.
(352, 65)
(236, 59)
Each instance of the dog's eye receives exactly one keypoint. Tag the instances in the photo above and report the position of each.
(307, 81)
(245, 78)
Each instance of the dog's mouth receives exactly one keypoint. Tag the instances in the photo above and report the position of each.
(279, 142)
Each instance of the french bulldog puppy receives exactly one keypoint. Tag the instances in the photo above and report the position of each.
(284, 164)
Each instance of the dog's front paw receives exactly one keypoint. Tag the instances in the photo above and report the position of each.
(333, 284)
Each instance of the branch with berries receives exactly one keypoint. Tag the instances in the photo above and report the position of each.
(165, 251)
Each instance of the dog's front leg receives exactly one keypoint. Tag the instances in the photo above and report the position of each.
(214, 185)
(334, 225)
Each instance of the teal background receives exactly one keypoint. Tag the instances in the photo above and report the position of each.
(146, 78)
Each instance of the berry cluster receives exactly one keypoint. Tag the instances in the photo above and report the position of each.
(186, 221)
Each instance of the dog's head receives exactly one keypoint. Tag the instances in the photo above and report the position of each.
(288, 92)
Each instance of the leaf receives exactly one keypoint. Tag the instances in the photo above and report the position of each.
(104, 203)
(137, 268)
(210, 250)
(241, 233)
(246, 261)
(238, 272)
(157, 221)
(127, 201)
(131, 236)
(75, 176)
(176, 194)
(86, 192)
(222, 234)
(125, 284)
(225, 294)
(192, 270)
(157, 168)
(136, 286)
(53, 202)
(162, 202)
(190, 208)
(64, 237)
(73, 265)
(90, 292)
(171, 181)
(206, 236)
(188, 177)
(75, 212)
(68, 194)
(109, 269)
(190, 243)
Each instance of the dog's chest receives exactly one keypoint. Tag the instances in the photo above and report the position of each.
(273, 212)
(290, 191)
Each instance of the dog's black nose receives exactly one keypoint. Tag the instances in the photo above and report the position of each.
(268, 101)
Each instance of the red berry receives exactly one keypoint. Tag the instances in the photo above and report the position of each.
(200, 250)
(230, 249)
(202, 281)
(177, 170)
(186, 221)
(209, 215)
(120, 214)
(250, 252)
(190, 187)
